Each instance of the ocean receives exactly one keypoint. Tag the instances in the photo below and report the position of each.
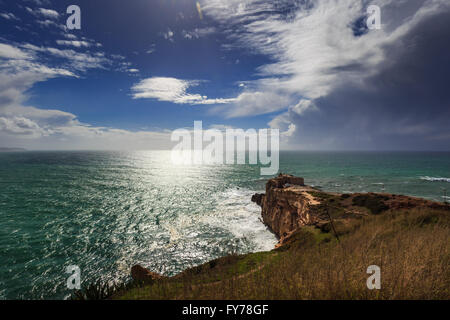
(106, 211)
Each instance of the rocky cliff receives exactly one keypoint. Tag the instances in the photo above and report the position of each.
(289, 205)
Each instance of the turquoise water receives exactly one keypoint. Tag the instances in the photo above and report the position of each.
(106, 211)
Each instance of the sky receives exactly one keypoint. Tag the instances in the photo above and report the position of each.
(139, 69)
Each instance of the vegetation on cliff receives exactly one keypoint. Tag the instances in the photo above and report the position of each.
(327, 258)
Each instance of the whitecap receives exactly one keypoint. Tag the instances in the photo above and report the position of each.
(440, 179)
(237, 214)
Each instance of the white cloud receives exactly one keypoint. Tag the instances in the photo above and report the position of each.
(21, 67)
(42, 12)
(73, 43)
(168, 35)
(133, 70)
(9, 52)
(152, 49)
(70, 36)
(41, 2)
(198, 33)
(251, 103)
(172, 90)
(290, 131)
(47, 18)
(221, 127)
(308, 49)
(304, 105)
(313, 47)
(8, 16)
(26, 133)
(50, 23)
(19, 71)
(20, 126)
(48, 13)
(77, 61)
(284, 120)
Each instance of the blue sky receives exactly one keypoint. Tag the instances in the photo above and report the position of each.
(138, 69)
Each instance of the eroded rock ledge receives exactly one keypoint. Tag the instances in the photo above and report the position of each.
(286, 205)
(289, 204)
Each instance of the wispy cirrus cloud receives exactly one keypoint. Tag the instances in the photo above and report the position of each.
(72, 60)
(10, 52)
(323, 53)
(308, 40)
(9, 16)
(198, 32)
(172, 90)
(74, 43)
(44, 13)
(168, 35)
(46, 18)
(24, 65)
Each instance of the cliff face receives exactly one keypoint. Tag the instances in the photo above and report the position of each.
(141, 274)
(287, 205)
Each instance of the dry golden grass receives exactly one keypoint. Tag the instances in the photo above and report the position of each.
(411, 247)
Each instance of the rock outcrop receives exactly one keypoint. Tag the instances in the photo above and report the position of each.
(286, 205)
(141, 274)
(289, 205)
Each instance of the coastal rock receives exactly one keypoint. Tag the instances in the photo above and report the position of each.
(284, 180)
(289, 205)
(141, 274)
(285, 206)
(257, 198)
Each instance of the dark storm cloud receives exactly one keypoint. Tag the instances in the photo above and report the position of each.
(345, 86)
(405, 105)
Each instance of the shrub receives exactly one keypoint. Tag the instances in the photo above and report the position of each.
(375, 203)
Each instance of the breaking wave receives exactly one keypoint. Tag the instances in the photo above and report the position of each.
(434, 179)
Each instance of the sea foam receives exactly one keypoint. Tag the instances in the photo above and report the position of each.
(440, 179)
(236, 213)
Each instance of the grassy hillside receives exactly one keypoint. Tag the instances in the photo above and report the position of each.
(411, 246)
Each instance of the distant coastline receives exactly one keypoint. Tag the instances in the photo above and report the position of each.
(12, 149)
